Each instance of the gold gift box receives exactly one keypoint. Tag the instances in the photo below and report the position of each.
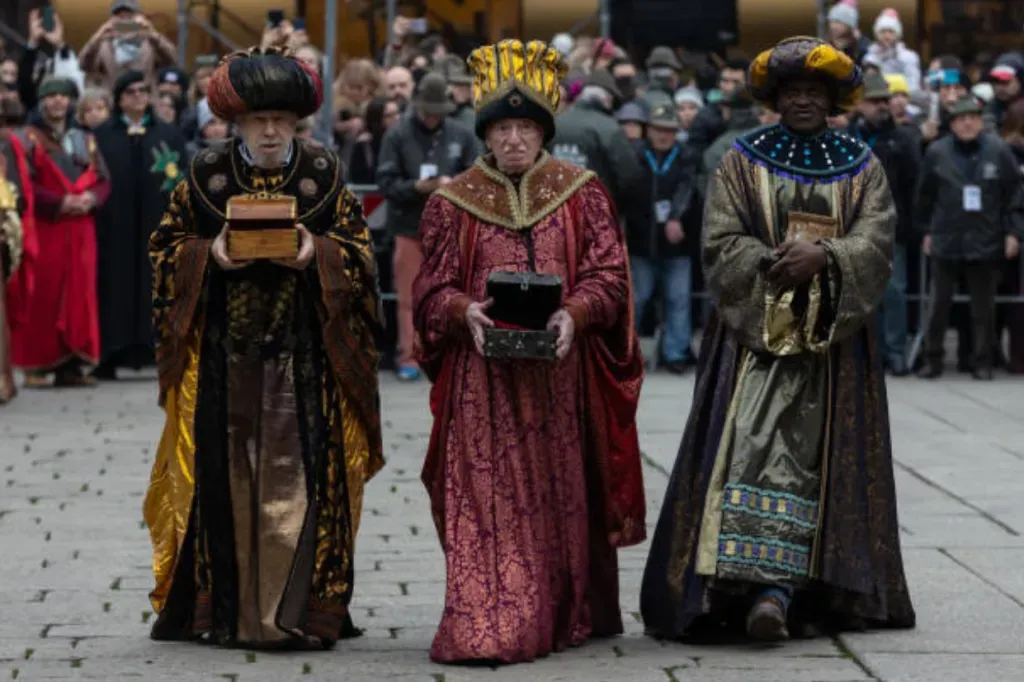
(262, 228)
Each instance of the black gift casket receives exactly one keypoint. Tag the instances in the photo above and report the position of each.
(523, 303)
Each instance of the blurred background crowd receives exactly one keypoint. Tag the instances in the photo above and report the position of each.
(652, 120)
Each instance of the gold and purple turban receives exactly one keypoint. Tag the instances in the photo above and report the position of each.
(803, 57)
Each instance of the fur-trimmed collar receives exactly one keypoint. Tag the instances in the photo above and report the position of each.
(491, 196)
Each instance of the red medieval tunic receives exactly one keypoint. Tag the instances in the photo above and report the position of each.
(533, 469)
(61, 323)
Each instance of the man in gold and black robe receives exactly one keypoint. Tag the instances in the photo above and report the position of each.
(781, 510)
(268, 378)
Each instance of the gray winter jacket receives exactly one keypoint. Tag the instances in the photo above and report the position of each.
(405, 149)
(956, 232)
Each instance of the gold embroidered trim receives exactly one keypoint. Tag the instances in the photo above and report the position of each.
(268, 192)
(241, 182)
(521, 216)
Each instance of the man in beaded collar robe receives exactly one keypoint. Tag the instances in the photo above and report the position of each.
(533, 467)
(268, 378)
(781, 510)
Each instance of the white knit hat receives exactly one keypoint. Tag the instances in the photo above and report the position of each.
(564, 43)
(689, 94)
(845, 12)
(889, 19)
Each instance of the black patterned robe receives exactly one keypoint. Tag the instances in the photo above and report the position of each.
(784, 476)
(268, 378)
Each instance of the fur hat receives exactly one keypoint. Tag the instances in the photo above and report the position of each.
(889, 19)
(263, 80)
(845, 12)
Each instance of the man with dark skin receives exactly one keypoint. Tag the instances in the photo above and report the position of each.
(766, 505)
(804, 104)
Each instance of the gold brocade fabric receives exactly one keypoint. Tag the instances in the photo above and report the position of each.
(256, 309)
(172, 483)
(488, 194)
(762, 510)
(358, 464)
(10, 225)
(533, 68)
(789, 328)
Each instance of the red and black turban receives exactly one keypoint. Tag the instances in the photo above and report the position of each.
(263, 80)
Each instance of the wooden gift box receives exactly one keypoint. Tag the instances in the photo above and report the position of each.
(524, 300)
(262, 229)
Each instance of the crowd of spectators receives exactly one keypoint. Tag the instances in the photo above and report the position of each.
(653, 130)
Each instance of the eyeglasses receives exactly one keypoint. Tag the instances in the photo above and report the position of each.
(137, 90)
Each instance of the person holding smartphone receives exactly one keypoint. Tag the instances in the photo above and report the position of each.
(126, 42)
(45, 55)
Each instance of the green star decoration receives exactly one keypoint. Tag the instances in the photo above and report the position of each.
(165, 161)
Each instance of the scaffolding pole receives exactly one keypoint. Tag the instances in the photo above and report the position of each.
(330, 50)
(389, 29)
(183, 12)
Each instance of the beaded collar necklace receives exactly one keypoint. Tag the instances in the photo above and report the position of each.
(827, 157)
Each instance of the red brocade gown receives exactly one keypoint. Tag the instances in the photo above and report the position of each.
(523, 500)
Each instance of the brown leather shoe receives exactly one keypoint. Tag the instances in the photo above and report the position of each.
(766, 621)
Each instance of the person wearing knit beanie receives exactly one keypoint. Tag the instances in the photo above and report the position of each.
(889, 54)
(888, 20)
(843, 31)
(845, 13)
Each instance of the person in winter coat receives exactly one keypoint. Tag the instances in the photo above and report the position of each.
(46, 55)
(898, 149)
(1013, 319)
(971, 202)
(689, 102)
(632, 118)
(1007, 76)
(421, 153)
(712, 120)
(889, 53)
(744, 116)
(127, 42)
(588, 135)
(844, 32)
(211, 130)
(662, 249)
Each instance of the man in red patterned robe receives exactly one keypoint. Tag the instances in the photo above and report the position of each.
(533, 467)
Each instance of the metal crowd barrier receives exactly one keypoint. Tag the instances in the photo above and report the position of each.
(374, 211)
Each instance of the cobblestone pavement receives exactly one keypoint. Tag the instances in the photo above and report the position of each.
(75, 561)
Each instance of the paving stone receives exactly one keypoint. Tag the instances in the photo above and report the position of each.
(74, 466)
(945, 667)
(957, 612)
